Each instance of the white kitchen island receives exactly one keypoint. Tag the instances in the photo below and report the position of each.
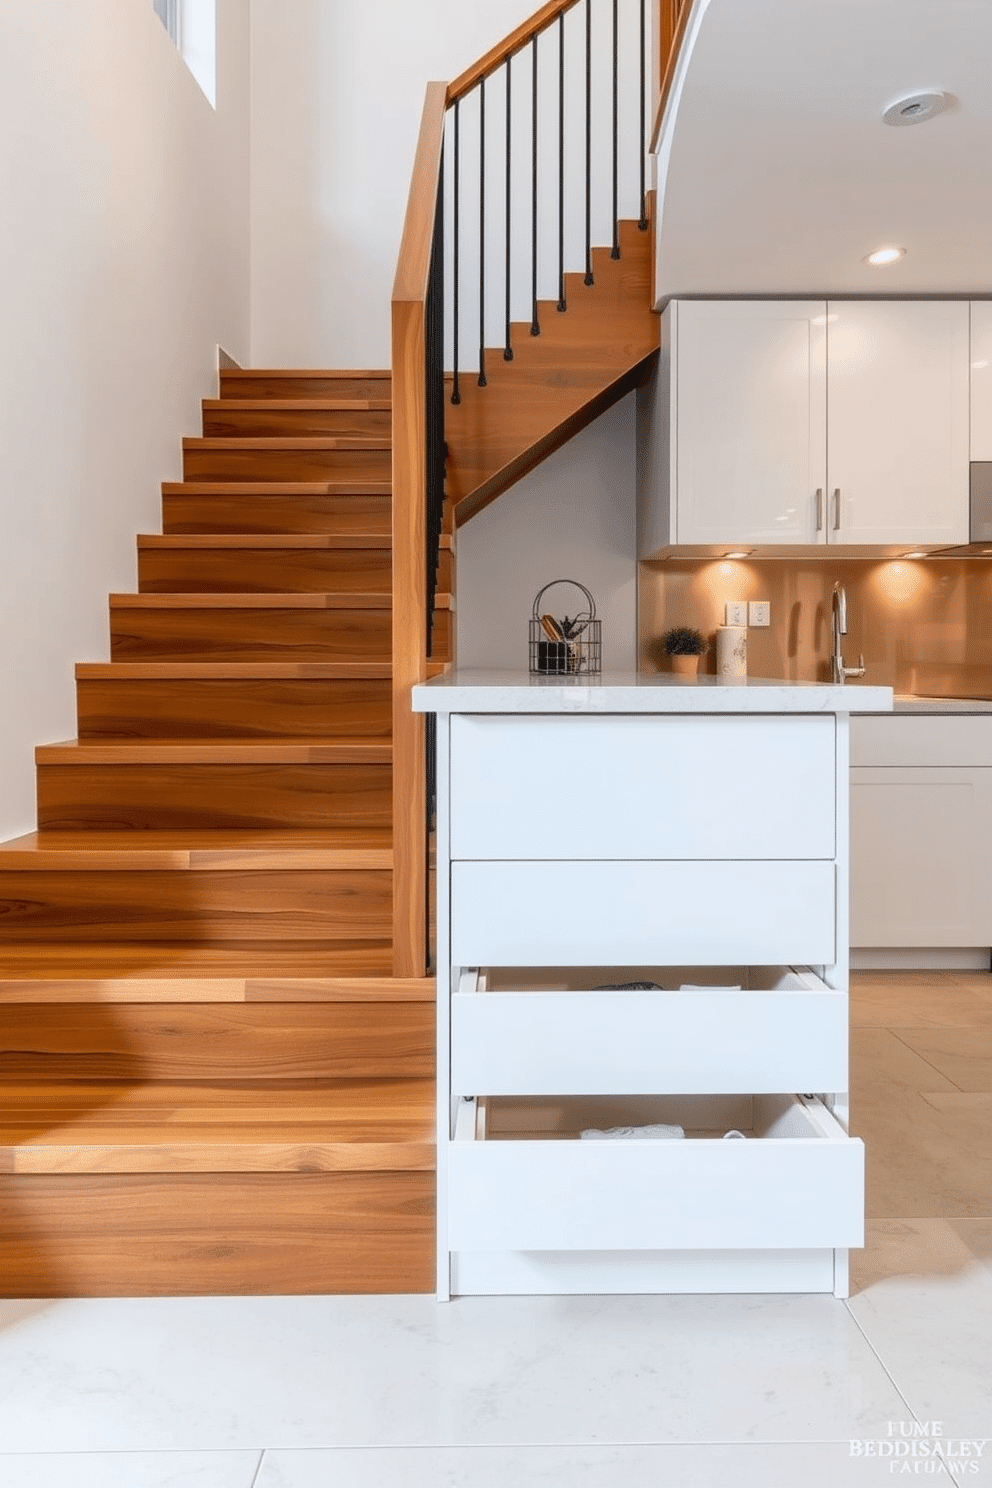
(690, 833)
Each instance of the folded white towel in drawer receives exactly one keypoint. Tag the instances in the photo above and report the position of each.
(709, 987)
(658, 1130)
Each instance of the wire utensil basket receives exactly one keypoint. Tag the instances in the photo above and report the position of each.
(565, 646)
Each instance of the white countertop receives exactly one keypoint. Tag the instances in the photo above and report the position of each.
(632, 692)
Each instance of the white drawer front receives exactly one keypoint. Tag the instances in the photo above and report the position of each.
(643, 787)
(569, 1043)
(776, 1192)
(628, 913)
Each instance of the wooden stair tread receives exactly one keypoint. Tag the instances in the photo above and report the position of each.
(305, 751)
(287, 442)
(304, 540)
(277, 488)
(302, 405)
(224, 600)
(229, 971)
(205, 851)
(152, 671)
(340, 1125)
(244, 374)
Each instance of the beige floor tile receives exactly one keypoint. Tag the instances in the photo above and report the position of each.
(925, 1153)
(881, 1059)
(962, 1055)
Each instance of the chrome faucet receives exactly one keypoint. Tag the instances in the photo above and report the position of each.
(838, 671)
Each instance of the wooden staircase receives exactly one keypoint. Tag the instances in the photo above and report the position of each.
(212, 1082)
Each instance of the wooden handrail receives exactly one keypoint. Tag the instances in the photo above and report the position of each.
(409, 307)
(516, 40)
(674, 21)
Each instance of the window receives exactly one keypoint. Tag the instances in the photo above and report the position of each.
(192, 24)
(168, 13)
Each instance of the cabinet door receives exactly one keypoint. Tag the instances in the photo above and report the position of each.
(750, 420)
(981, 380)
(919, 857)
(897, 426)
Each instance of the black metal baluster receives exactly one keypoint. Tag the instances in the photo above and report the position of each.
(562, 305)
(616, 130)
(456, 396)
(643, 223)
(535, 324)
(434, 403)
(482, 234)
(508, 345)
(589, 276)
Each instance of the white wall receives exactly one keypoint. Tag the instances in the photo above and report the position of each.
(572, 517)
(123, 262)
(337, 93)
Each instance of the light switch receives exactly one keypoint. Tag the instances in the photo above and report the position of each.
(736, 613)
(759, 612)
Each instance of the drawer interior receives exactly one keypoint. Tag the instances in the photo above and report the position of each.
(703, 1117)
(670, 978)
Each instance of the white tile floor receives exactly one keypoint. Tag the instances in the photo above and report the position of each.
(396, 1392)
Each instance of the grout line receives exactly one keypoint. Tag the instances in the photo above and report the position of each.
(895, 1034)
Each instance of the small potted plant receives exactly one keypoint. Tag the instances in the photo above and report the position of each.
(684, 645)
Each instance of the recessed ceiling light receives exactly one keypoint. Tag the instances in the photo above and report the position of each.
(883, 256)
(979, 365)
(914, 555)
(824, 319)
(915, 108)
(745, 554)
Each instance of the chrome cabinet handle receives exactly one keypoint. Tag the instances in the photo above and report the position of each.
(819, 508)
(837, 509)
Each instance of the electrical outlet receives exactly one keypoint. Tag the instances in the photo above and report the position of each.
(735, 613)
(759, 612)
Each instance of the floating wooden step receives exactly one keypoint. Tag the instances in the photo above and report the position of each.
(250, 627)
(343, 507)
(292, 459)
(214, 784)
(234, 699)
(304, 382)
(234, 417)
(189, 1189)
(231, 971)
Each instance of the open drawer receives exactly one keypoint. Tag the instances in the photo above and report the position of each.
(541, 1031)
(519, 1178)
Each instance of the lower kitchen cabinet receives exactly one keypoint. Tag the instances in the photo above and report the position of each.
(921, 845)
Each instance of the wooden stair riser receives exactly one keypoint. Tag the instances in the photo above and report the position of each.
(230, 421)
(251, 634)
(196, 796)
(245, 570)
(222, 708)
(205, 908)
(185, 1042)
(203, 463)
(189, 512)
(269, 383)
(237, 570)
(216, 1234)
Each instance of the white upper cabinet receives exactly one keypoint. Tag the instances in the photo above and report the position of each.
(981, 380)
(810, 422)
(750, 394)
(897, 422)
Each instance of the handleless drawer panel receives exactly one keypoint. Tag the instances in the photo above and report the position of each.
(639, 913)
(630, 1043)
(797, 1181)
(643, 787)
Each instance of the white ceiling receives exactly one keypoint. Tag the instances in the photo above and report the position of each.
(777, 175)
